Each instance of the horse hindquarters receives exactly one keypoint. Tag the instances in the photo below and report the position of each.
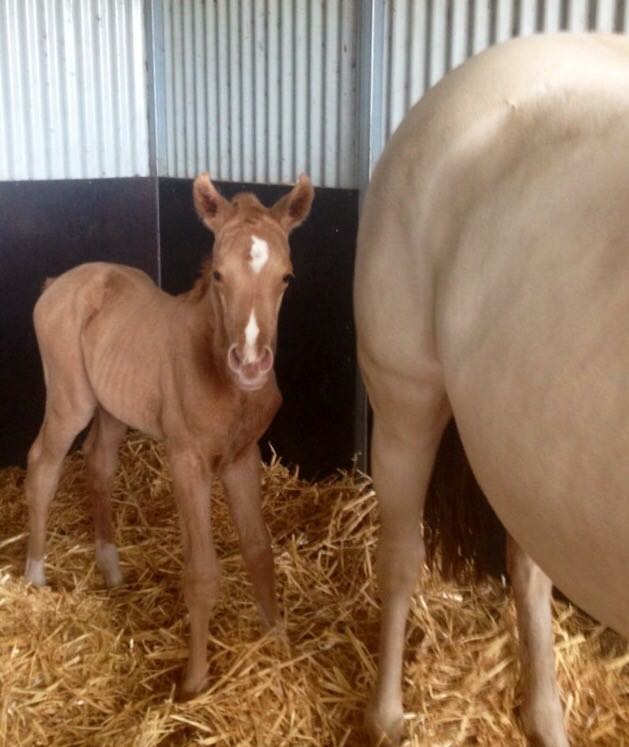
(70, 404)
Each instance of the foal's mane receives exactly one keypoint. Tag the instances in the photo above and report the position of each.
(202, 282)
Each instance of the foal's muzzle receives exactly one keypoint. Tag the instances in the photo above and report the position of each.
(250, 374)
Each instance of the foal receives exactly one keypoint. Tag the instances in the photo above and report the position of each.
(195, 370)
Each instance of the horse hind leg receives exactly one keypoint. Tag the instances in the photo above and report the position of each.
(409, 420)
(541, 712)
(65, 418)
(101, 454)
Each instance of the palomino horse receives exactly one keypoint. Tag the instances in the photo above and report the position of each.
(492, 284)
(195, 370)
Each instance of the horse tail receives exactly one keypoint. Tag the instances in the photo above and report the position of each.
(464, 538)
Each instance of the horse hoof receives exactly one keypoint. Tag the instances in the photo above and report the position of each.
(275, 630)
(189, 690)
(542, 724)
(34, 572)
(108, 563)
(113, 578)
(384, 730)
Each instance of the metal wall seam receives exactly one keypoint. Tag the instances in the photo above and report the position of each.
(314, 103)
(247, 91)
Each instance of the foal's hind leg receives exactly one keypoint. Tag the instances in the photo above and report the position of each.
(409, 420)
(62, 423)
(101, 453)
(542, 714)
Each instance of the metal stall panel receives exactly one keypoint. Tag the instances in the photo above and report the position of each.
(72, 89)
(259, 90)
(424, 39)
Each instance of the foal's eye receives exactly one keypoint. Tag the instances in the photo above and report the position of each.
(217, 276)
(288, 279)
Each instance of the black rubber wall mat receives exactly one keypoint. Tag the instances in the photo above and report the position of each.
(47, 227)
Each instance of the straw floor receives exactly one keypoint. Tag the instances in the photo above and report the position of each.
(80, 665)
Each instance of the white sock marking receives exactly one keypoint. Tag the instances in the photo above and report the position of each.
(107, 562)
(251, 336)
(259, 254)
(34, 572)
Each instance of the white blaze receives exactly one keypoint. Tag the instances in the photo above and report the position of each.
(251, 336)
(259, 254)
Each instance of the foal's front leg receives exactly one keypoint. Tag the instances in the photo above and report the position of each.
(542, 715)
(191, 481)
(241, 481)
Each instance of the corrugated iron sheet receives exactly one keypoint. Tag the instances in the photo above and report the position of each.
(260, 90)
(72, 89)
(251, 90)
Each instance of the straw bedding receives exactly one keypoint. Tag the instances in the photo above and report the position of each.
(83, 665)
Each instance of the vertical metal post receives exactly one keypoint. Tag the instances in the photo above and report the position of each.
(371, 97)
(155, 81)
(156, 105)
(370, 144)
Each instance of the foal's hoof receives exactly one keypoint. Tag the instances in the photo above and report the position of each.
(384, 729)
(188, 690)
(275, 630)
(34, 572)
(108, 563)
(112, 578)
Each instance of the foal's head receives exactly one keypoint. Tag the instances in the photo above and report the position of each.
(250, 270)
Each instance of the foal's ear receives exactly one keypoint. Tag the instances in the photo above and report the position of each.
(293, 208)
(211, 207)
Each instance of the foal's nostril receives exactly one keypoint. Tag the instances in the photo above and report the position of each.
(266, 360)
(233, 359)
(250, 369)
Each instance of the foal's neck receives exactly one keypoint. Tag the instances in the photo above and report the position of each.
(205, 325)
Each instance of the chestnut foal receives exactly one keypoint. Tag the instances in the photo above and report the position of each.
(195, 370)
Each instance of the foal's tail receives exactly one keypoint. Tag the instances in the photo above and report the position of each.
(464, 537)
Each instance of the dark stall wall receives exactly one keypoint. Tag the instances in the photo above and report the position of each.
(47, 227)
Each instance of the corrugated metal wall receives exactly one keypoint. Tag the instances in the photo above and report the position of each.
(423, 39)
(259, 90)
(252, 90)
(72, 89)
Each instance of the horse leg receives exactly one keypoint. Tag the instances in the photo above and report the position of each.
(542, 715)
(101, 456)
(45, 460)
(242, 487)
(406, 434)
(191, 482)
